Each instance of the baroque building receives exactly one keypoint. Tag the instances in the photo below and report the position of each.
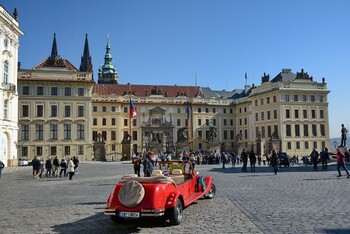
(55, 106)
(9, 43)
(62, 112)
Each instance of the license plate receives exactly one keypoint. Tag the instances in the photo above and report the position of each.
(124, 214)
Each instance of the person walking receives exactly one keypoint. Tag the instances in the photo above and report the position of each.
(252, 159)
(324, 158)
(340, 162)
(244, 158)
(148, 164)
(63, 166)
(2, 165)
(76, 164)
(137, 164)
(233, 160)
(274, 161)
(56, 165)
(314, 157)
(36, 167)
(71, 168)
(48, 166)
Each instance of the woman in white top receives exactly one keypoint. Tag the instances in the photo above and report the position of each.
(71, 168)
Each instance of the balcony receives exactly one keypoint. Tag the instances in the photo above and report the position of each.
(9, 87)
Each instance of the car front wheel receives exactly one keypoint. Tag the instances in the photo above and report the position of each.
(175, 214)
(211, 193)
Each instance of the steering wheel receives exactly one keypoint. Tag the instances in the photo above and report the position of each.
(166, 173)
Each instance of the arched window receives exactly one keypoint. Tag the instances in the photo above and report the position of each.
(6, 71)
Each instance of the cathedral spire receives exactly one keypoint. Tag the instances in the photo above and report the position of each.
(54, 53)
(86, 64)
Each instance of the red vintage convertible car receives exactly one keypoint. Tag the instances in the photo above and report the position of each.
(170, 189)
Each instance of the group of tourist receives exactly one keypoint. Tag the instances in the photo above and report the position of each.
(55, 168)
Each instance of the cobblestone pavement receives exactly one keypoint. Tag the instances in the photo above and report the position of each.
(296, 200)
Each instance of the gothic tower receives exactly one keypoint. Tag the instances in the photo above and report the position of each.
(86, 63)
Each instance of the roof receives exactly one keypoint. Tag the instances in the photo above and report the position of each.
(148, 90)
(57, 62)
(237, 93)
(285, 75)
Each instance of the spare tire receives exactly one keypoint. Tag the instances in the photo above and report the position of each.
(131, 194)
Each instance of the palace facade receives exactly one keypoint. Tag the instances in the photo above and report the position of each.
(9, 34)
(63, 112)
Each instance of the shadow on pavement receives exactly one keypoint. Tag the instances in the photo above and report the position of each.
(337, 231)
(100, 223)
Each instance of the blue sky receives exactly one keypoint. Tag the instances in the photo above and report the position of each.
(217, 41)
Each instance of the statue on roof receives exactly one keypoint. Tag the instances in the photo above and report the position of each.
(265, 78)
(302, 75)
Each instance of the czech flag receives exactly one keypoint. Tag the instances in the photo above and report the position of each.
(132, 109)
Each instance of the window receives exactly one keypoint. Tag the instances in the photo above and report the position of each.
(80, 111)
(225, 134)
(94, 121)
(125, 110)
(206, 110)
(268, 100)
(297, 145)
(240, 122)
(199, 110)
(225, 122)
(25, 151)
(54, 91)
(321, 114)
(262, 116)
(256, 116)
(94, 135)
(67, 91)
(314, 130)
(305, 114)
(94, 109)
(178, 122)
(25, 132)
(232, 136)
(53, 150)
(322, 130)
(199, 122)
(6, 71)
(113, 108)
(125, 122)
(231, 111)
(288, 131)
(269, 131)
(245, 134)
(224, 110)
(306, 145)
(313, 114)
(39, 90)
(80, 92)
(214, 110)
(39, 150)
(321, 98)
(274, 99)
(275, 130)
(113, 121)
(304, 98)
(312, 97)
(67, 150)
(263, 132)
(256, 102)
(178, 110)
(200, 133)
(207, 122)
(214, 122)
(134, 122)
(297, 130)
(295, 98)
(287, 114)
(245, 121)
(315, 144)
(66, 111)
(53, 131)
(134, 136)
(287, 97)
(39, 111)
(25, 90)
(296, 114)
(104, 135)
(306, 130)
(39, 132)
(5, 109)
(231, 122)
(268, 115)
(113, 135)
(104, 109)
(67, 131)
(289, 145)
(275, 114)
(80, 149)
(80, 131)
(104, 121)
(262, 101)
(54, 111)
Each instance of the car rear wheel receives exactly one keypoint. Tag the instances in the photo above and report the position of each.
(211, 193)
(175, 213)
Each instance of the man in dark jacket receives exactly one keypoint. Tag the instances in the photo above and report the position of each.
(148, 164)
(36, 167)
(314, 157)
(244, 158)
(324, 158)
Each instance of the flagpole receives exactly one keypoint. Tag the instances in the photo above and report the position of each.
(130, 120)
